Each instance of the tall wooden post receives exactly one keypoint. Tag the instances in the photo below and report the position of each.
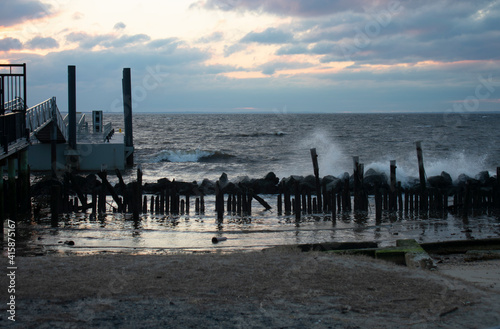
(12, 188)
(72, 106)
(392, 193)
(314, 157)
(421, 173)
(297, 202)
(127, 112)
(356, 185)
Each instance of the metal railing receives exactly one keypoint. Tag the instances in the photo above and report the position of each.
(17, 104)
(40, 115)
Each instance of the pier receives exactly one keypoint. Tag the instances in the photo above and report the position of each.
(40, 138)
(14, 140)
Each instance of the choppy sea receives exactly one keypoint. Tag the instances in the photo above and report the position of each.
(192, 147)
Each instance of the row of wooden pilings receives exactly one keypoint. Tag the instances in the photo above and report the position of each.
(297, 201)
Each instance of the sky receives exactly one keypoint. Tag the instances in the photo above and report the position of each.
(260, 56)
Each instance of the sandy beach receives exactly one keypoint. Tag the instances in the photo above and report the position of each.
(275, 288)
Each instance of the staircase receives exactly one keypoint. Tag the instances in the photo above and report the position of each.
(40, 120)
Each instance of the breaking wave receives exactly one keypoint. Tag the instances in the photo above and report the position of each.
(191, 156)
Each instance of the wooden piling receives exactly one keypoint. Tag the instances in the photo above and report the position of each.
(187, 203)
(309, 202)
(103, 176)
(137, 199)
(219, 202)
(197, 206)
(94, 202)
(123, 189)
(145, 205)
(202, 204)
(101, 203)
(161, 211)
(12, 188)
(378, 204)
(55, 197)
(400, 197)
(297, 202)
(314, 157)
(421, 174)
(279, 204)
(333, 205)
(392, 191)
(24, 183)
(249, 204)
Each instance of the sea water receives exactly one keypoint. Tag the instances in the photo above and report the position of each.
(192, 147)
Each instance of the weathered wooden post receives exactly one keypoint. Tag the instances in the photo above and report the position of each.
(333, 205)
(378, 204)
(314, 157)
(219, 202)
(297, 202)
(249, 204)
(127, 114)
(421, 174)
(183, 204)
(187, 203)
(309, 202)
(279, 204)
(356, 183)
(392, 192)
(12, 188)
(94, 202)
(137, 200)
(162, 202)
(152, 204)
(55, 192)
(24, 182)
(467, 198)
(202, 204)
(400, 197)
(496, 191)
(229, 203)
(145, 205)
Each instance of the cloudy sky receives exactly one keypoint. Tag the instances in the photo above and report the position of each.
(260, 55)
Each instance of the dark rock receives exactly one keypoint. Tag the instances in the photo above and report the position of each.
(442, 181)
(272, 178)
(483, 177)
(463, 179)
(207, 187)
(332, 183)
(373, 178)
(308, 183)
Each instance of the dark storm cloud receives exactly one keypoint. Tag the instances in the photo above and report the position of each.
(8, 44)
(13, 12)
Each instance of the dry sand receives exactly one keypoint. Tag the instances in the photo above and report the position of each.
(279, 288)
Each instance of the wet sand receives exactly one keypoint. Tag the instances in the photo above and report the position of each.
(280, 288)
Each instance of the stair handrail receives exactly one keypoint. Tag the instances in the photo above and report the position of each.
(39, 114)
